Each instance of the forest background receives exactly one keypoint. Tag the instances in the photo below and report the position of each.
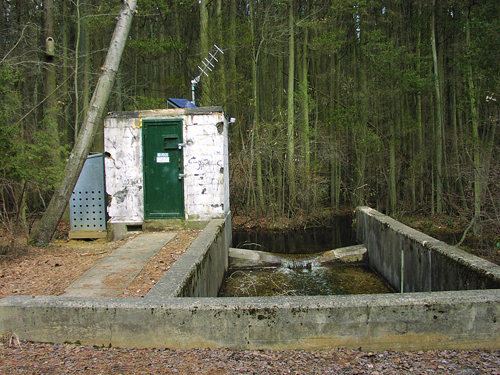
(337, 103)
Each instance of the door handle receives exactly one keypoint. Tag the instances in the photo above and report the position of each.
(181, 145)
(181, 176)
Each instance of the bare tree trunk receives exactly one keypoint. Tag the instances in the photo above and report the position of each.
(475, 137)
(439, 117)
(76, 73)
(394, 125)
(222, 67)
(44, 231)
(232, 56)
(335, 165)
(256, 108)
(420, 139)
(50, 82)
(280, 85)
(305, 111)
(204, 49)
(361, 186)
(291, 109)
(65, 87)
(455, 137)
(87, 63)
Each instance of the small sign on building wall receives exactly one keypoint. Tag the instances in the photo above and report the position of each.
(162, 157)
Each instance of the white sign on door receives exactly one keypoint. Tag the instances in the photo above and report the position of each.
(162, 157)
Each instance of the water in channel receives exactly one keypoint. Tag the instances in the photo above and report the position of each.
(299, 274)
(339, 233)
(324, 280)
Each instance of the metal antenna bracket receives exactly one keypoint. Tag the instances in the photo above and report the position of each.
(207, 65)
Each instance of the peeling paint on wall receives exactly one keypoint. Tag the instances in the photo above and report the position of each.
(203, 159)
(123, 141)
(206, 182)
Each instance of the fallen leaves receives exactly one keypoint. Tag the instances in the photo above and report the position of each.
(49, 271)
(160, 263)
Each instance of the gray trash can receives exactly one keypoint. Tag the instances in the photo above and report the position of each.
(88, 202)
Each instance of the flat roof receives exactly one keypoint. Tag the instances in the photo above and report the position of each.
(167, 112)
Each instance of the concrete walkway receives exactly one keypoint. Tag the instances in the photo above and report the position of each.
(113, 274)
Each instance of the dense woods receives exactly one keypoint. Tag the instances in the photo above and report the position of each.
(389, 103)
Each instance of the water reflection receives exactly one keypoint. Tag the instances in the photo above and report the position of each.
(314, 240)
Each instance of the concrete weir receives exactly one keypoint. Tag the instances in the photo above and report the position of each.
(182, 310)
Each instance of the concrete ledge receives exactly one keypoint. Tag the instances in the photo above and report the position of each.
(412, 261)
(446, 320)
(199, 272)
(173, 224)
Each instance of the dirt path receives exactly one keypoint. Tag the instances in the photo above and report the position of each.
(33, 271)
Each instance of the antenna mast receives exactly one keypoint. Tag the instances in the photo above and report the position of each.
(207, 65)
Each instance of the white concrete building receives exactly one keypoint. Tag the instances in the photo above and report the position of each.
(166, 164)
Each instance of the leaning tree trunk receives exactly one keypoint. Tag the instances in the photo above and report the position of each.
(44, 231)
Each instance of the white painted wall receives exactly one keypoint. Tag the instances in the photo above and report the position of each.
(204, 167)
(123, 169)
(206, 185)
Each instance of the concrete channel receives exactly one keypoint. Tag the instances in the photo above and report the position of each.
(448, 306)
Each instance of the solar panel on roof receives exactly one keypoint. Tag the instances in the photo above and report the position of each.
(180, 103)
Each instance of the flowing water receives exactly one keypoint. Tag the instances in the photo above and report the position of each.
(300, 274)
(313, 281)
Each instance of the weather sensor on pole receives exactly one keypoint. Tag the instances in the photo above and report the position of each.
(207, 65)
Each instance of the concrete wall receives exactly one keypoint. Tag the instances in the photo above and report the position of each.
(411, 261)
(411, 321)
(206, 185)
(201, 269)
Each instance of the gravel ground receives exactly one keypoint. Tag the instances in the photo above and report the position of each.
(28, 358)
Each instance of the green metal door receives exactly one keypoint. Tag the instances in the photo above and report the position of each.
(163, 169)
